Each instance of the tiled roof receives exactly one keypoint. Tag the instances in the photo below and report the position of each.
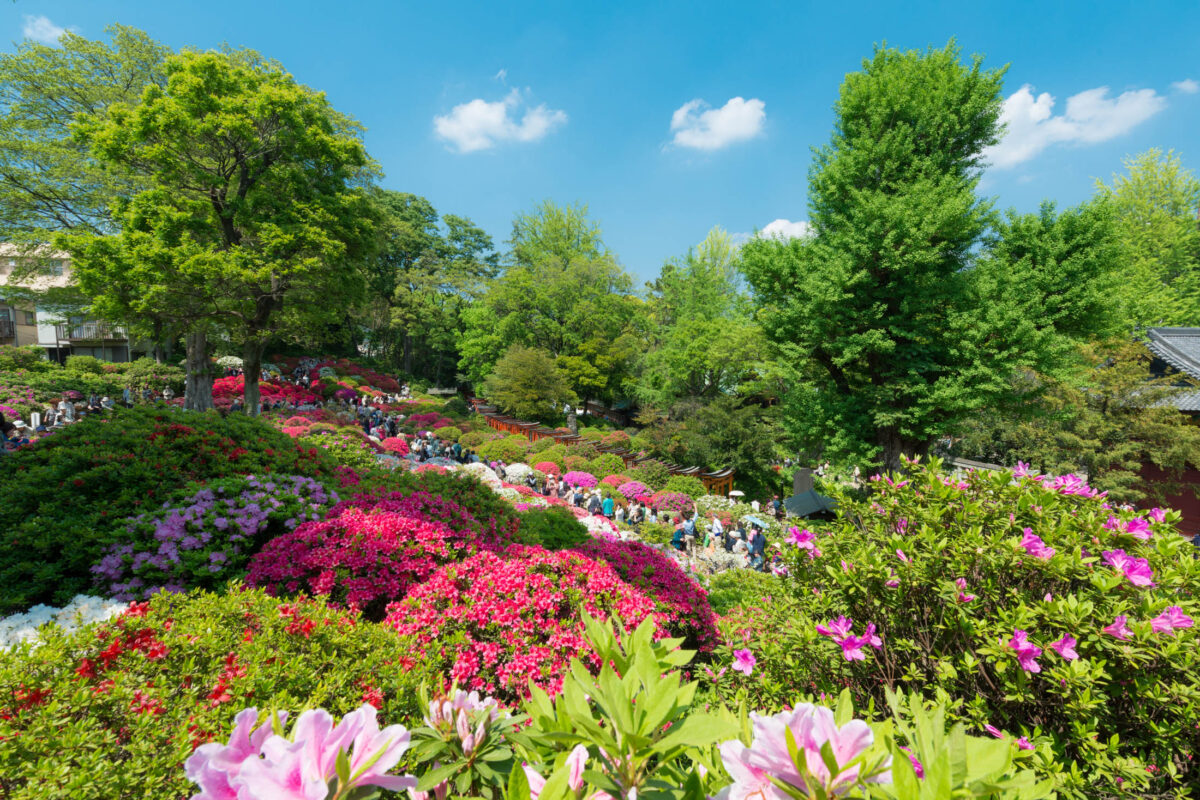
(1179, 347)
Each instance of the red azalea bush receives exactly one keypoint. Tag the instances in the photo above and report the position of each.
(680, 604)
(548, 467)
(112, 712)
(226, 390)
(297, 422)
(364, 560)
(614, 480)
(497, 622)
(394, 444)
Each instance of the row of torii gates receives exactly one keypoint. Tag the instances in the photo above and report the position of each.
(716, 482)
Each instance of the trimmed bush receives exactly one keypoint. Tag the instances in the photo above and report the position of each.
(554, 528)
(67, 497)
(111, 713)
(347, 447)
(448, 433)
(508, 450)
(685, 484)
(606, 464)
(652, 473)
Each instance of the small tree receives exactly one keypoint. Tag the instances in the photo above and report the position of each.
(526, 384)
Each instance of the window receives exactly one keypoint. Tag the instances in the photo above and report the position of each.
(55, 266)
(30, 317)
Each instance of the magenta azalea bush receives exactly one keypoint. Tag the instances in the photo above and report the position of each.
(1047, 614)
(634, 490)
(584, 480)
(671, 502)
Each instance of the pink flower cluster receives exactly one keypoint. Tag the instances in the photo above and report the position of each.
(501, 621)
(396, 445)
(671, 502)
(841, 630)
(633, 490)
(812, 727)
(1136, 570)
(584, 480)
(257, 762)
(1034, 545)
(547, 467)
(680, 604)
(805, 540)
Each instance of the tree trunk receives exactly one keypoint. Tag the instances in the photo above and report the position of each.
(198, 386)
(158, 349)
(408, 353)
(896, 447)
(252, 354)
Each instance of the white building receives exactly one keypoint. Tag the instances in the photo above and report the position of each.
(60, 336)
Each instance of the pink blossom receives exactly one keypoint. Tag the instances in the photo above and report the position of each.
(1021, 470)
(994, 731)
(852, 647)
(963, 597)
(837, 628)
(871, 637)
(1065, 647)
(1118, 628)
(1024, 743)
(1034, 545)
(576, 762)
(846, 567)
(744, 661)
(1026, 651)
(1158, 514)
(812, 727)
(1136, 570)
(900, 555)
(1172, 617)
(1139, 528)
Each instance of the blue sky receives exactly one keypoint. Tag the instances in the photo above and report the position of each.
(668, 118)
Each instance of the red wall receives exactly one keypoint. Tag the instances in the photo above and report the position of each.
(1186, 501)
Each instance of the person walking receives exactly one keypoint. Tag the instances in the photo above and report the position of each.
(607, 506)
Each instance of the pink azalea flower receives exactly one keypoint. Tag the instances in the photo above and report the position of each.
(1112, 523)
(1136, 570)
(1065, 647)
(576, 762)
(1158, 514)
(1118, 628)
(1172, 617)
(1024, 744)
(994, 731)
(852, 648)
(812, 727)
(871, 637)
(846, 567)
(1021, 470)
(1034, 545)
(1139, 528)
(900, 555)
(963, 597)
(1026, 651)
(1049, 597)
(744, 661)
(901, 527)
(917, 766)
(841, 626)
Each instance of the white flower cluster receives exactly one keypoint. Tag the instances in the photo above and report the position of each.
(484, 473)
(716, 502)
(518, 473)
(82, 610)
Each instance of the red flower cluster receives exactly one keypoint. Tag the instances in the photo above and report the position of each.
(394, 444)
(228, 389)
(499, 621)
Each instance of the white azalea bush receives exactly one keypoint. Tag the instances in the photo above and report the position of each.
(83, 610)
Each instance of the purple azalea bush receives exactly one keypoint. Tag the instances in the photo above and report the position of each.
(208, 536)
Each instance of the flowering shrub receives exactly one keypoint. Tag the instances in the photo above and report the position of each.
(357, 558)
(548, 468)
(680, 604)
(606, 464)
(346, 446)
(494, 623)
(67, 497)
(671, 502)
(614, 480)
(615, 439)
(207, 538)
(634, 490)
(114, 712)
(226, 390)
(394, 444)
(999, 593)
(82, 610)
(584, 480)
(654, 474)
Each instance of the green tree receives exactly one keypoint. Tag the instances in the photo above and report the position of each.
(424, 273)
(526, 384)
(1157, 202)
(705, 341)
(563, 293)
(1109, 421)
(900, 329)
(255, 222)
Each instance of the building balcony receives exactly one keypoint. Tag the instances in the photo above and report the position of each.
(8, 329)
(90, 332)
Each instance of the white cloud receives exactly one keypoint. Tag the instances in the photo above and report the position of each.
(786, 229)
(697, 126)
(501, 75)
(479, 125)
(1091, 116)
(1187, 86)
(782, 229)
(41, 29)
